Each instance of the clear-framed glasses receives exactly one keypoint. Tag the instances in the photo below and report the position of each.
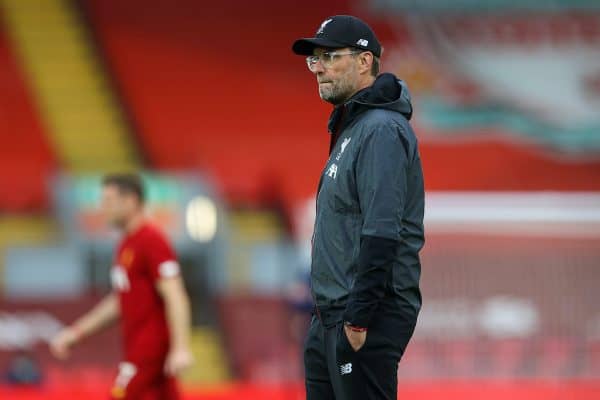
(327, 58)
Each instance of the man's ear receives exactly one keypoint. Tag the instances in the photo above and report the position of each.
(365, 60)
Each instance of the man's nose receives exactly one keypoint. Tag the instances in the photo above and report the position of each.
(317, 68)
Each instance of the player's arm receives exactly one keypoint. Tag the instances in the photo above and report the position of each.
(103, 314)
(177, 307)
(381, 183)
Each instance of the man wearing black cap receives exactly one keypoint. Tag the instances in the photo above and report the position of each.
(369, 225)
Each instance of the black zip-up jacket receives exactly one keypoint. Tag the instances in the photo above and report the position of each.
(369, 224)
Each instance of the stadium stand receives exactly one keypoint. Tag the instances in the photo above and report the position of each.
(27, 158)
(214, 88)
(84, 123)
(185, 74)
(186, 79)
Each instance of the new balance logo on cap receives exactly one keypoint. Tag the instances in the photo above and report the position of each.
(362, 42)
(345, 369)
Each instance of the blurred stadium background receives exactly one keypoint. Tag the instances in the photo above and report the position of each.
(207, 99)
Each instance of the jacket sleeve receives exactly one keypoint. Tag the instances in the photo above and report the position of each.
(381, 169)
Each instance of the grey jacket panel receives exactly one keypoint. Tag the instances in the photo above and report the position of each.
(369, 225)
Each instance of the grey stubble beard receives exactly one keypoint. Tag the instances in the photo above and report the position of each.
(338, 91)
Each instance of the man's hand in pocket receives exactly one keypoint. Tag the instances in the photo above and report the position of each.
(355, 338)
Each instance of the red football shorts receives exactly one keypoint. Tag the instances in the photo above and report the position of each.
(143, 382)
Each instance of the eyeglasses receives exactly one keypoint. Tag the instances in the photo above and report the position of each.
(327, 58)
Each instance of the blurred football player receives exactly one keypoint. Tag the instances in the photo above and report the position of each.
(148, 297)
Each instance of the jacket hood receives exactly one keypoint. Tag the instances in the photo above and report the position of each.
(387, 92)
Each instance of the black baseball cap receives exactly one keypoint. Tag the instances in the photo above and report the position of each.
(337, 32)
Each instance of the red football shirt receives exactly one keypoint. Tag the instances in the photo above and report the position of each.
(142, 258)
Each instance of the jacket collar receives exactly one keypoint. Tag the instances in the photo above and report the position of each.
(387, 92)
